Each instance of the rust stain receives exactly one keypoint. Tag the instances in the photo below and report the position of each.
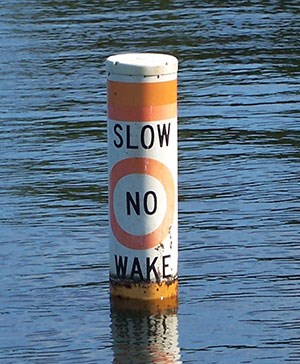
(144, 290)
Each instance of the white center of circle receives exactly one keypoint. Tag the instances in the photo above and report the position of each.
(140, 203)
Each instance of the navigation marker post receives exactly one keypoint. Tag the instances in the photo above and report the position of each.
(142, 166)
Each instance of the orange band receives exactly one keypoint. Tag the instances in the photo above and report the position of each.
(143, 113)
(141, 94)
(142, 101)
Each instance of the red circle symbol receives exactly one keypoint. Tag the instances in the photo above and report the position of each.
(157, 170)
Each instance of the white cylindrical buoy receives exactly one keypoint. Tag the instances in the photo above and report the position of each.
(142, 160)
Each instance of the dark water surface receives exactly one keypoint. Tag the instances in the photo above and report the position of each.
(239, 183)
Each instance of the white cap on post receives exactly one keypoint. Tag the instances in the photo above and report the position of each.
(147, 65)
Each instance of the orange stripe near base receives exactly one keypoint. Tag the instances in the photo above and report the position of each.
(144, 291)
(142, 101)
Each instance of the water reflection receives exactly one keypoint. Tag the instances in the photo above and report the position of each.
(144, 335)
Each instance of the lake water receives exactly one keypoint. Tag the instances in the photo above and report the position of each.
(239, 182)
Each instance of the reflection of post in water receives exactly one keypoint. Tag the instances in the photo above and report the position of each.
(142, 335)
